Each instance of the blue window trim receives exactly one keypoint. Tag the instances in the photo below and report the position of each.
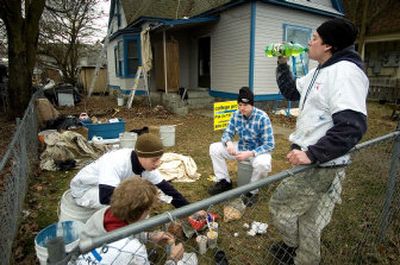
(338, 5)
(252, 43)
(228, 95)
(126, 39)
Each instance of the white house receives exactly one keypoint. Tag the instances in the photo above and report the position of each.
(213, 46)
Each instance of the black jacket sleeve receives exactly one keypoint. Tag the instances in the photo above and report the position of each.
(348, 129)
(105, 192)
(178, 199)
(286, 83)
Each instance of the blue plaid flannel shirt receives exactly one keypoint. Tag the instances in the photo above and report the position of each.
(255, 132)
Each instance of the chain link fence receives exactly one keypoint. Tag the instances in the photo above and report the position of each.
(359, 207)
(16, 167)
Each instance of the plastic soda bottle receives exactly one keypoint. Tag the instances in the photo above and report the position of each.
(284, 49)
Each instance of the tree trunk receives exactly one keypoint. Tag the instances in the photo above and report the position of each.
(363, 30)
(22, 26)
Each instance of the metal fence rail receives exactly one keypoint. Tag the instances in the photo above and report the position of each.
(15, 169)
(364, 229)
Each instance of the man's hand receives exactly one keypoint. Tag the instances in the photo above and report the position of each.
(199, 215)
(244, 155)
(230, 148)
(176, 252)
(298, 157)
(282, 60)
(162, 238)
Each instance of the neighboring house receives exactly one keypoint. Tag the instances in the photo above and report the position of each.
(212, 46)
(381, 53)
(88, 62)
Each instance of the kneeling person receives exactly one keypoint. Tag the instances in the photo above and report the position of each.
(130, 202)
(93, 186)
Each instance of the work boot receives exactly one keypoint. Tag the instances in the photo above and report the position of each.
(283, 253)
(249, 199)
(219, 187)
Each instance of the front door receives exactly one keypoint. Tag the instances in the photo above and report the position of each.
(204, 62)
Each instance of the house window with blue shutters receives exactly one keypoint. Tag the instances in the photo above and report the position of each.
(301, 35)
(127, 56)
(132, 57)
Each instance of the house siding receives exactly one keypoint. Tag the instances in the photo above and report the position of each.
(230, 50)
(269, 29)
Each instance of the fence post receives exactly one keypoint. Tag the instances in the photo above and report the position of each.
(392, 178)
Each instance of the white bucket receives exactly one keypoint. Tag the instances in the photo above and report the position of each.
(167, 135)
(127, 140)
(120, 101)
(69, 210)
(245, 170)
(70, 232)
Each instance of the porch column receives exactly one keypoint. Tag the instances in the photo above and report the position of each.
(165, 63)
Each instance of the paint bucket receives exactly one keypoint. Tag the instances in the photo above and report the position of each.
(120, 101)
(245, 170)
(69, 210)
(69, 230)
(167, 135)
(127, 140)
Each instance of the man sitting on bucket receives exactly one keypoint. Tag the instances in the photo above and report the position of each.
(256, 142)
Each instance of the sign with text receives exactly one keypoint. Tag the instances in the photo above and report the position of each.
(222, 113)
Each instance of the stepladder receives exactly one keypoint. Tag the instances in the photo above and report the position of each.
(141, 74)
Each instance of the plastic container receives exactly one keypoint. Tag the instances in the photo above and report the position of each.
(167, 135)
(105, 130)
(71, 211)
(120, 101)
(127, 140)
(284, 49)
(65, 97)
(245, 170)
(69, 230)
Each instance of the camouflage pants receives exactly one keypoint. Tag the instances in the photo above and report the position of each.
(302, 206)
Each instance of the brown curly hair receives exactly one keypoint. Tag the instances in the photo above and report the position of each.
(132, 198)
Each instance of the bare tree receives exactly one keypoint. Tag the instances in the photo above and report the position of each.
(3, 40)
(66, 28)
(364, 13)
(21, 19)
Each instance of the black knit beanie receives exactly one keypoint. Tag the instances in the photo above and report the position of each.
(339, 33)
(246, 96)
(149, 145)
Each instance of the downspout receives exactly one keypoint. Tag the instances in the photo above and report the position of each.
(165, 63)
(252, 44)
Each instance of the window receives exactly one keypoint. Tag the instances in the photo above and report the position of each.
(118, 58)
(132, 56)
(301, 35)
(127, 56)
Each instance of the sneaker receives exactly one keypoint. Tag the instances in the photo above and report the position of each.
(220, 258)
(249, 199)
(219, 187)
(283, 253)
